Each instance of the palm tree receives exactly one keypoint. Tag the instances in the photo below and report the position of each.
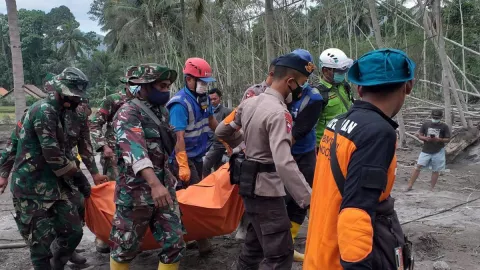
(74, 43)
(141, 24)
(17, 60)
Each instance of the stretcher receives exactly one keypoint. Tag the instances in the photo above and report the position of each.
(209, 208)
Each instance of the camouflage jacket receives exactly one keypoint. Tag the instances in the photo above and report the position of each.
(78, 135)
(138, 147)
(104, 115)
(7, 159)
(40, 160)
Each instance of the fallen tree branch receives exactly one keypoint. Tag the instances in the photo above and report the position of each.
(13, 245)
(413, 137)
(441, 212)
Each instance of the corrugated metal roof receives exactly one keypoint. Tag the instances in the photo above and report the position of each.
(3, 91)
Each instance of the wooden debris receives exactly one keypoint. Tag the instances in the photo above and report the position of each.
(461, 140)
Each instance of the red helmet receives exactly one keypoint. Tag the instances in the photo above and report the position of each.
(198, 68)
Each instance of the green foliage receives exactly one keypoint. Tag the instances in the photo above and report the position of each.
(50, 43)
(104, 71)
(152, 31)
(7, 109)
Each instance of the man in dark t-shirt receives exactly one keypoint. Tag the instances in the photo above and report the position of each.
(435, 134)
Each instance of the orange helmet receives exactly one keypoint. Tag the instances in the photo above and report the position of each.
(198, 68)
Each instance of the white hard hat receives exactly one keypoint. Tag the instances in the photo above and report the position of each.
(335, 58)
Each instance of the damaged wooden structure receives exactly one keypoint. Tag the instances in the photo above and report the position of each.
(29, 89)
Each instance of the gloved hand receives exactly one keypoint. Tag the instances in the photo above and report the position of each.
(210, 110)
(183, 169)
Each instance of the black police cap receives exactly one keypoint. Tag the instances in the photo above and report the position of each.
(295, 62)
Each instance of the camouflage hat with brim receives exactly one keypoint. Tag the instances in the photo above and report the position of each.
(60, 87)
(71, 82)
(73, 90)
(148, 73)
(132, 71)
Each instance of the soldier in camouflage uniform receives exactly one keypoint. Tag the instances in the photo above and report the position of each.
(7, 159)
(105, 142)
(77, 135)
(145, 192)
(76, 125)
(42, 175)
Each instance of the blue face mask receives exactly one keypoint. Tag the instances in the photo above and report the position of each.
(338, 77)
(158, 98)
(305, 85)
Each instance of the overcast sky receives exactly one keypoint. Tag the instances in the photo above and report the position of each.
(79, 8)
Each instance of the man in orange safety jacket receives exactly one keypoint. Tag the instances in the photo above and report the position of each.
(355, 172)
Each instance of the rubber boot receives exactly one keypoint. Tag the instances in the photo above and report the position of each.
(204, 247)
(77, 258)
(58, 262)
(172, 266)
(297, 256)
(118, 266)
(101, 246)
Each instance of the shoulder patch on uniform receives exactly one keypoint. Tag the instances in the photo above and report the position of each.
(288, 121)
(103, 111)
(250, 93)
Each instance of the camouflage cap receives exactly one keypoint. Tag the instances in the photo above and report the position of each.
(132, 71)
(71, 82)
(148, 73)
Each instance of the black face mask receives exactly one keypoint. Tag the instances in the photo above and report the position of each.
(297, 92)
(73, 104)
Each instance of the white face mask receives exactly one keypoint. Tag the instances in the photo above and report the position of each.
(435, 120)
(289, 99)
(201, 88)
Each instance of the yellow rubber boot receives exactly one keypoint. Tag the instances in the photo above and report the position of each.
(172, 266)
(297, 256)
(118, 266)
(78, 156)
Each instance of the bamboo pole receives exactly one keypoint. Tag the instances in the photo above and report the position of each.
(376, 26)
(448, 103)
(463, 49)
(412, 21)
(456, 89)
(437, 106)
(465, 79)
(349, 30)
(462, 46)
(229, 69)
(440, 48)
(424, 60)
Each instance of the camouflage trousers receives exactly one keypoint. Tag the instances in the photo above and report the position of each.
(130, 224)
(77, 199)
(43, 223)
(110, 168)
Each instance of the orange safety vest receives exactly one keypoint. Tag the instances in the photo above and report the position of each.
(340, 230)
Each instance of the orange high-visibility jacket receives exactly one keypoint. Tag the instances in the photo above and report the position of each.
(340, 230)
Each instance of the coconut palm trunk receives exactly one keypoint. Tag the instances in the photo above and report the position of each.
(17, 60)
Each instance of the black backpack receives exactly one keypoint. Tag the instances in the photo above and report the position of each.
(325, 92)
